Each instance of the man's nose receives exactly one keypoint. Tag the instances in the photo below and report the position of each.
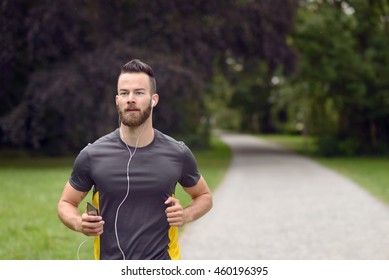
(131, 98)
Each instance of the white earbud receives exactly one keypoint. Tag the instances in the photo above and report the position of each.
(152, 103)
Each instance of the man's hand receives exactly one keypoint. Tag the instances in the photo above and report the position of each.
(91, 225)
(175, 213)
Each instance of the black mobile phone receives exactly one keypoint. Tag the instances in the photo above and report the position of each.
(91, 209)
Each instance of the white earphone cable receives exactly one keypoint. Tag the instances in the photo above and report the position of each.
(79, 247)
(128, 187)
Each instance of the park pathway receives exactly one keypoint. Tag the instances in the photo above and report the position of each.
(275, 205)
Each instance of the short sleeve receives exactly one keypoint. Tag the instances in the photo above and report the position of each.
(80, 178)
(190, 174)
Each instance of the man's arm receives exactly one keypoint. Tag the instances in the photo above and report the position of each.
(69, 214)
(201, 203)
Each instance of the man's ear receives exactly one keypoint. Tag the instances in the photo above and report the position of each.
(155, 99)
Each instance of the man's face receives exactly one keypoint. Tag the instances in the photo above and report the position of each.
(134, 99)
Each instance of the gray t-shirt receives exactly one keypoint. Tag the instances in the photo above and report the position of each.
(154, 170)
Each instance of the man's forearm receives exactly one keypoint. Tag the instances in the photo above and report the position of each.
(198, 207)
(69, 215)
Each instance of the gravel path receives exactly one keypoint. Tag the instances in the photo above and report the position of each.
(276, 205)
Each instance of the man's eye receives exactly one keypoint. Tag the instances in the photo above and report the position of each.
(123, 93)
(139, 92)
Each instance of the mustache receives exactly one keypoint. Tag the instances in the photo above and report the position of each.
(131, 108)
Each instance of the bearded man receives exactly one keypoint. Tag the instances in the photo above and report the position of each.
(133, 172)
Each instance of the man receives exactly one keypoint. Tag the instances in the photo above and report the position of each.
(133, 172)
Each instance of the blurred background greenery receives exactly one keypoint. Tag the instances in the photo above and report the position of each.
(317, 67)
(312, 72)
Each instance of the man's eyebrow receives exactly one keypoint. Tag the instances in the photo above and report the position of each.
(136, 89)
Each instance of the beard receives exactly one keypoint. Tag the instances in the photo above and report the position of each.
(134, 120)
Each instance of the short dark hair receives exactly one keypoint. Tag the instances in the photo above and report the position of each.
(137, 66)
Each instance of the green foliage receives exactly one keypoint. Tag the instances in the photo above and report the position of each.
(63, 59)
(340, 84)
(329, 146)
(218, 97)
(252, 97)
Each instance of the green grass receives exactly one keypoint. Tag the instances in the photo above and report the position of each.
(30, 229)
(294, 143)
(30, 189)
(370, 173)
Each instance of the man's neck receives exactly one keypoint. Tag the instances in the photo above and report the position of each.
(139, 136)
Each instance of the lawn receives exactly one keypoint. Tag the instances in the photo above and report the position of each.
(30, 189)
(371, 173)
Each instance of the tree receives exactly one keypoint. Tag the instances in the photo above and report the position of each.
(343, 53)
(257, 49)
(64, 56)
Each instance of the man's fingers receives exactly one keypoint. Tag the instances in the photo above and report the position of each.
(171, 213)
(92, 225)
(92, 229)
(91, 218)
(174, 205)
(172, 200)
(175, 212)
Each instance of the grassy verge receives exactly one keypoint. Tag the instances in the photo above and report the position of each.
(369, 172)
(30, 189)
